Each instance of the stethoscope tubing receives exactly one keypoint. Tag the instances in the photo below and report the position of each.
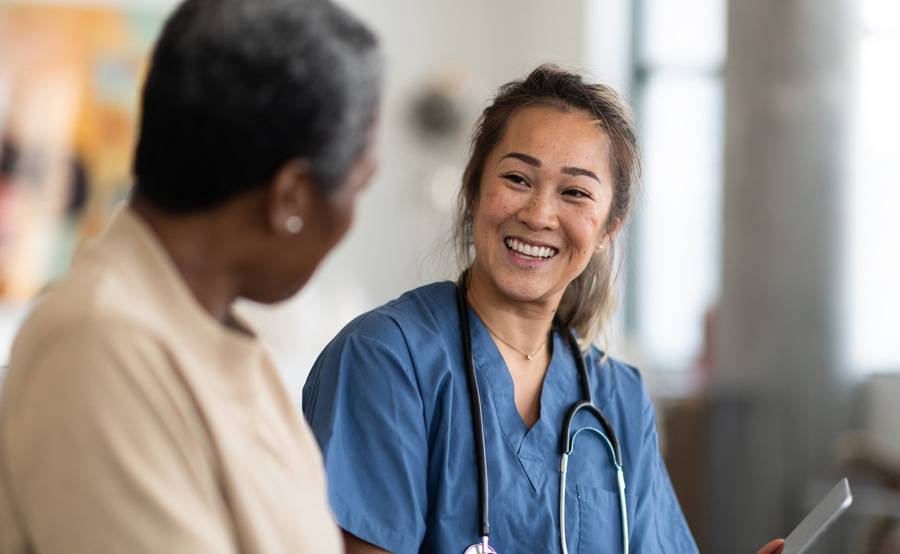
(477, 417)
(567, 440)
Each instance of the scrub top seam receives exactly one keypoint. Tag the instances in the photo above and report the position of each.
(599, 372)
(447, 315)
(414, 373)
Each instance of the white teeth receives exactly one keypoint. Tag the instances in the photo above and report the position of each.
(529, 250)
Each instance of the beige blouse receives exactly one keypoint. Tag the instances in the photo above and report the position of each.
(132, 421)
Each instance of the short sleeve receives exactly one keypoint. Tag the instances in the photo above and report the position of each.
(97, 455)
(659, 526)
(363, 403)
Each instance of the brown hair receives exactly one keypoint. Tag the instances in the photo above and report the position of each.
(590, 298)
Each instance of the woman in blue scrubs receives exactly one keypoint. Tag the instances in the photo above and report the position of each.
(547, 189)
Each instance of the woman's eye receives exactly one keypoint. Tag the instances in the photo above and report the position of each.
(577, 193)
(516, 179)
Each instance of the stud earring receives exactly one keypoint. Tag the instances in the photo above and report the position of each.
(293, 224)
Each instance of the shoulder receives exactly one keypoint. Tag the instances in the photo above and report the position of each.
(88, 327)
(604, 365)
(90, 303)
(616, 380)
(383, 353)
(84, 342)
(398, 342)
(90, 370)
(119, 278)
(422, 314)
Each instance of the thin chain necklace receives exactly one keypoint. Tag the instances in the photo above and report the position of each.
(528, 356)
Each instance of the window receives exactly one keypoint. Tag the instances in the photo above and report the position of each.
(674, 275)
(873, 196)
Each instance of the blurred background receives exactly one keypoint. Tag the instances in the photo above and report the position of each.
(760, 290)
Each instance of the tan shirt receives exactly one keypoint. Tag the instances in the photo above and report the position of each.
(131, 421)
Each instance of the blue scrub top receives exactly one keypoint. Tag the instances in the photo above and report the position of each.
(389, 405)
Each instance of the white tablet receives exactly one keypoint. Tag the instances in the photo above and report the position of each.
(819, 519)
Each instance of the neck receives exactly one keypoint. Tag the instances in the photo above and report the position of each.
(194, 244)
(523, 325)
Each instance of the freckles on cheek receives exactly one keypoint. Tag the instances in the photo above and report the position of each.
(494, 207)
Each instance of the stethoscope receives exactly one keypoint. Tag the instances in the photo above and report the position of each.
(567, 444)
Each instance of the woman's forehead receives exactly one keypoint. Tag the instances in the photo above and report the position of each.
(555, 137)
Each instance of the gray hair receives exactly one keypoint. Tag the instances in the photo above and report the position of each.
(236, 88)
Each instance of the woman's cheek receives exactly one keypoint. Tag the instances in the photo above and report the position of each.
(585, 227)
(497, 206)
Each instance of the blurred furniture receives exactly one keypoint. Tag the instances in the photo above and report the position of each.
(872, 458)
(683, 436)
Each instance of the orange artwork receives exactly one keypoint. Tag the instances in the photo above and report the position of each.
(69, 86)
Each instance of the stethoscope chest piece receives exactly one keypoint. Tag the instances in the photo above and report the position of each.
(480, 548)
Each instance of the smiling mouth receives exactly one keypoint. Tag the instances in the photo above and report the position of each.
(532, 251)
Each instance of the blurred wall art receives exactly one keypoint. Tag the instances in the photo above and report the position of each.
(69, 83)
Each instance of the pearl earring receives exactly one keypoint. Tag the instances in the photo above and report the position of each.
(293, 224)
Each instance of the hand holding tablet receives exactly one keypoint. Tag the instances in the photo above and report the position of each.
(815, 523)
(819, 519)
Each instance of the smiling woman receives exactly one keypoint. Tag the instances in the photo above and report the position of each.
(539, 218)
(442, 414)
(538, 221)
(590, 298)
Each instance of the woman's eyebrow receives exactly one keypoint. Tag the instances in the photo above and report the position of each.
(576, 171)
(531, 160)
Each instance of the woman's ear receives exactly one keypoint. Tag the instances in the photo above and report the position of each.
(615, 225)
(290, 197)
(610, 233)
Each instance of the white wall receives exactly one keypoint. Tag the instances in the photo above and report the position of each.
(400, 237)
(492, 42)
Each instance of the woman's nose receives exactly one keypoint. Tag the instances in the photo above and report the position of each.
(539, 212)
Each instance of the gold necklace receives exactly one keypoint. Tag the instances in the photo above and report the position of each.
(528, 356)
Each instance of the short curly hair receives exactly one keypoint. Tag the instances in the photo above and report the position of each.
(235, 89)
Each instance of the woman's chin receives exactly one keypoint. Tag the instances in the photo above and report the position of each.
(513, 284)
(272, 293)
(526, 291)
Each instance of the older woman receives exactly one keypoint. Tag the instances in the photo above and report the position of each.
(446, 416)
(140, 414)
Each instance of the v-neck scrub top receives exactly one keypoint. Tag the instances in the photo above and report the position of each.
(389, 404)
